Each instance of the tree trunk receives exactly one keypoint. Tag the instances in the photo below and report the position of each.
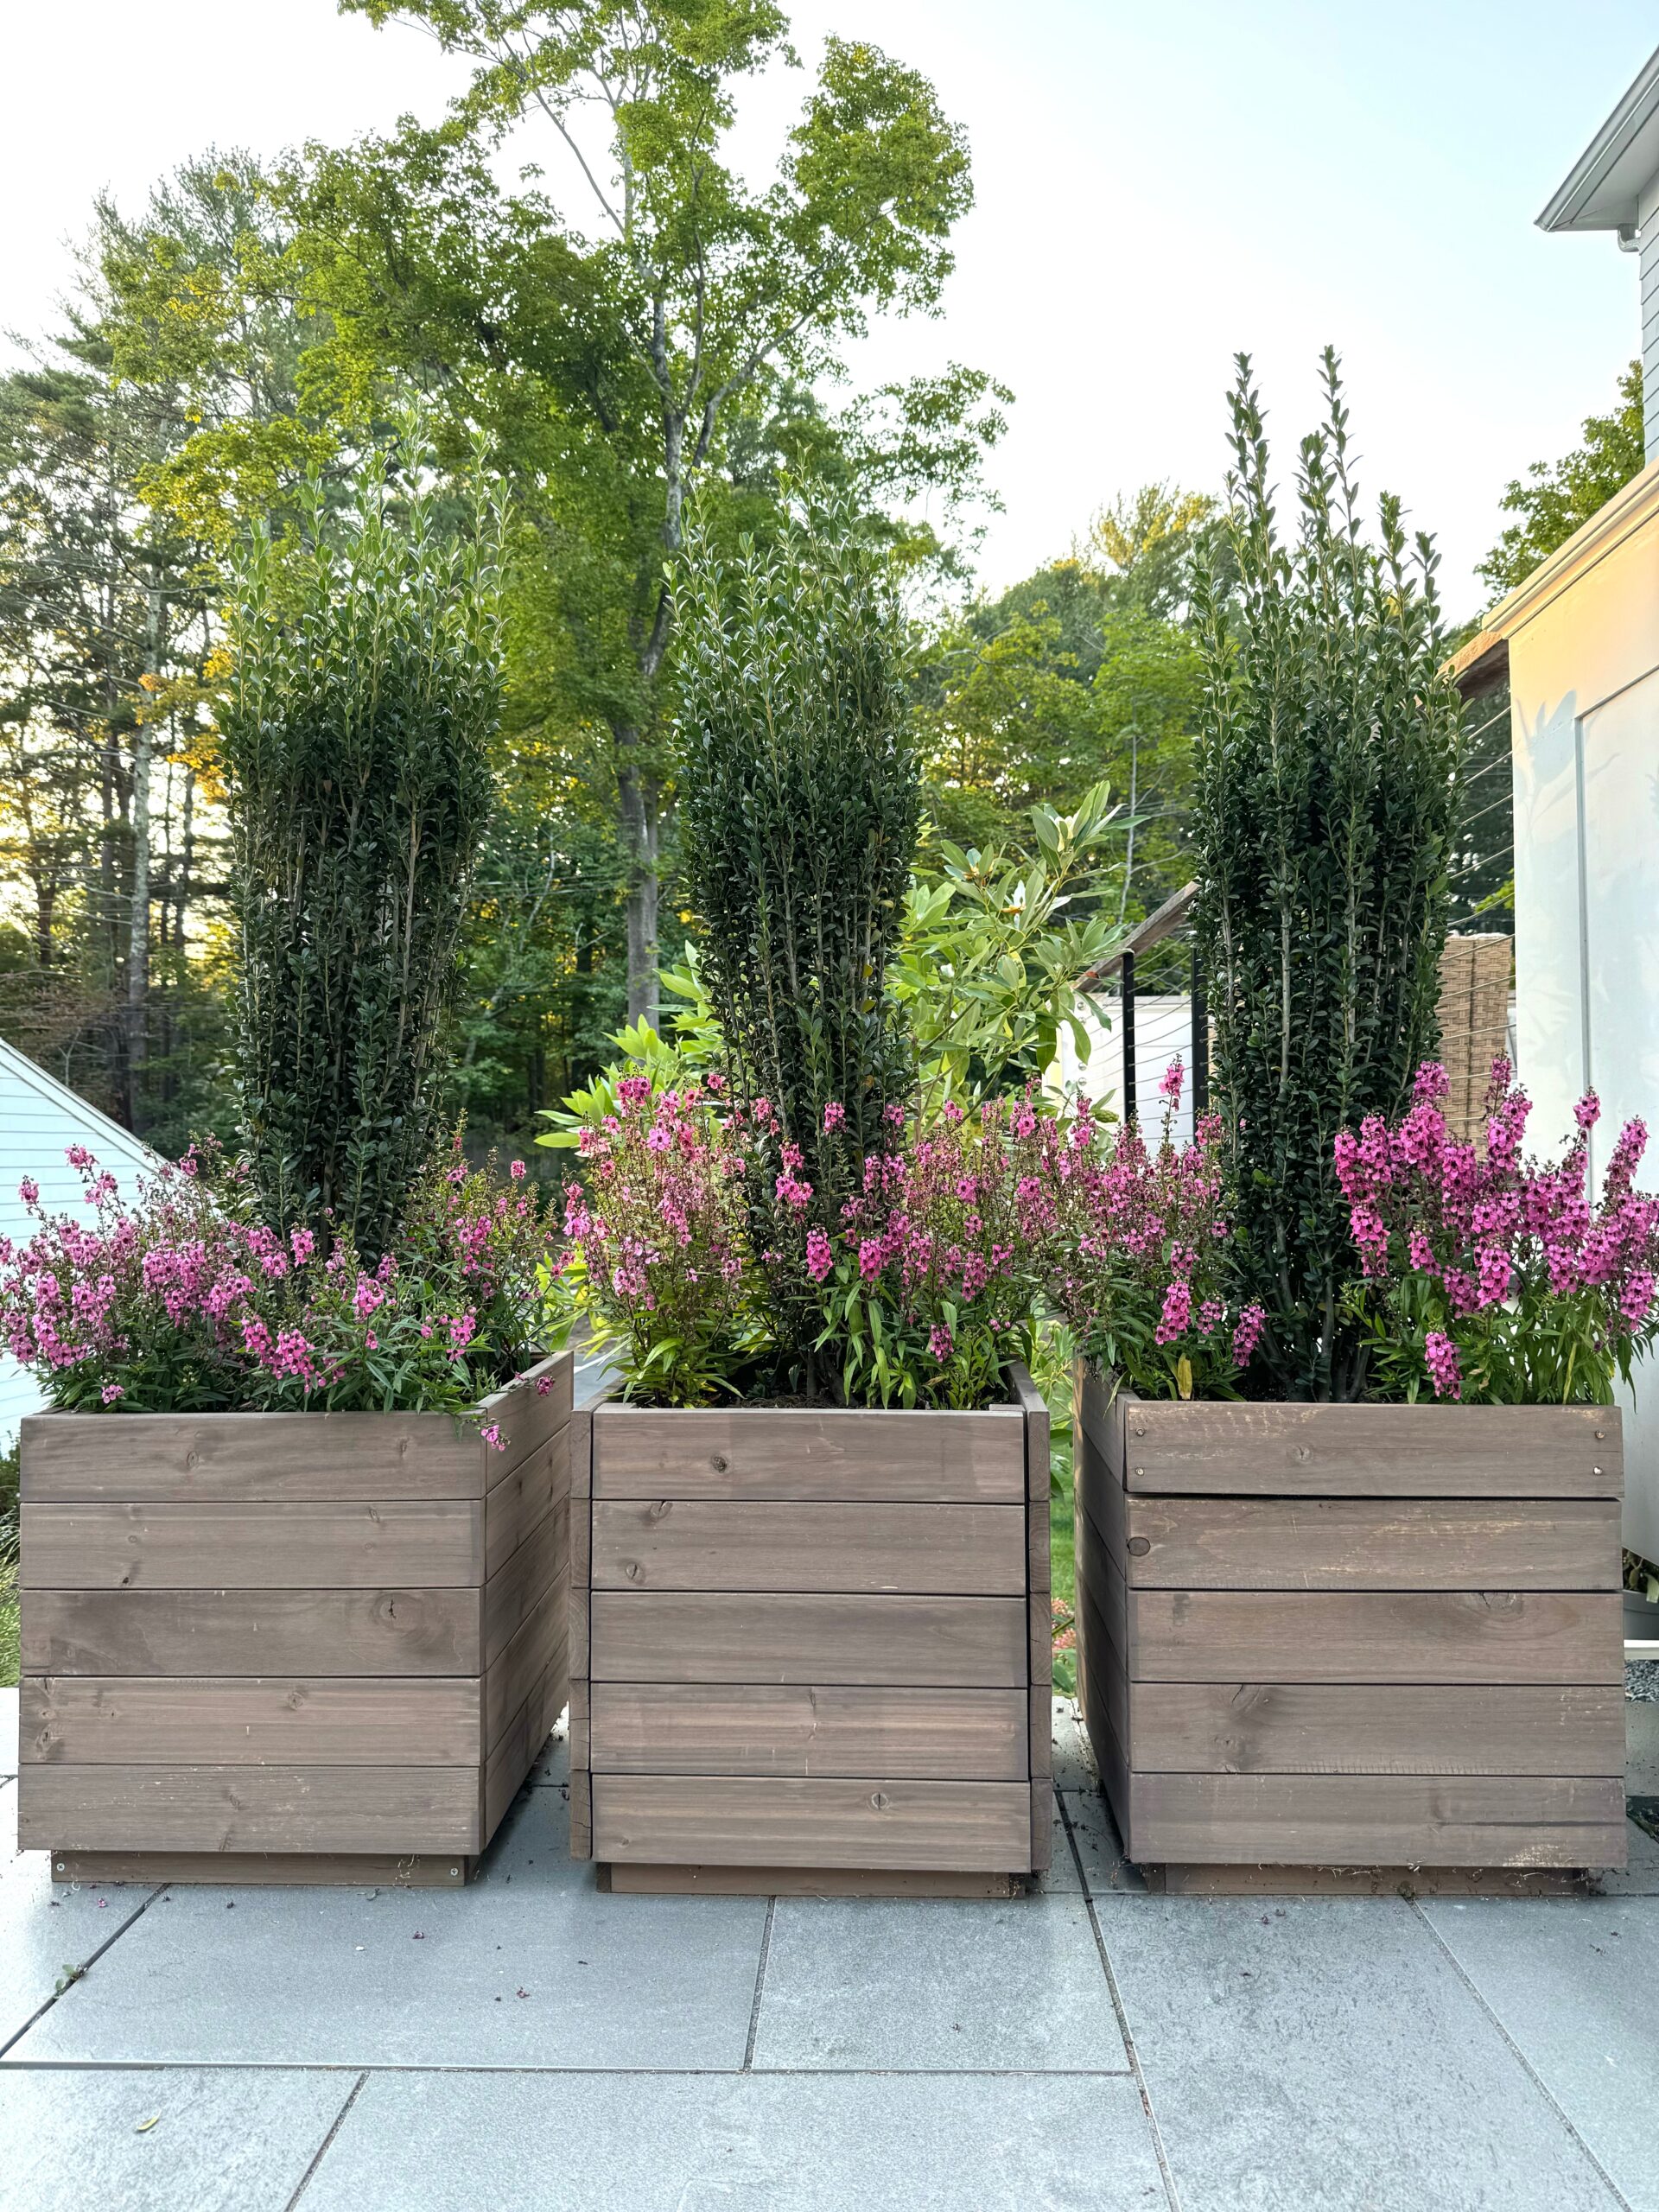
(637, 805)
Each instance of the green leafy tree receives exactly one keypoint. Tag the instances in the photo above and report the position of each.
(1556, 498)
(1327, 759)
(365, 690)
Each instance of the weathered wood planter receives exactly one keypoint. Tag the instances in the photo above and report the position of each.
(289, 1647)
(1351, 1637)
(812, 1649)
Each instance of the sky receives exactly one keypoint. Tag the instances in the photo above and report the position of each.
(1157, 187)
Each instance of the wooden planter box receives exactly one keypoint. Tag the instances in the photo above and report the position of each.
(1349, 1636)
(812, 1649)
(289, 1647)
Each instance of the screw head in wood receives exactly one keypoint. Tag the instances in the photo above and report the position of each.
(1139, 1545)
(719, 1463)
(880, 1800)
(1595, 1471)
(1137, 1472)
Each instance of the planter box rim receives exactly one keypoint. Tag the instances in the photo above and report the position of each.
(1328, 1409)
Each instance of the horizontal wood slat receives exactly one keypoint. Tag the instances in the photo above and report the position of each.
(204, 1459)
(801, 1452)
(251, 1809)
(1328, 1543)
(1279, 1636)
(733, 1821)
(1386, 1728)
(1405, 1820)
(250, 1632)
(526, 1416)
(355, 1545)
(511, 1595)
(671, 1637)
(537, 1644)
(129, 1721)
(523, 1499)
(1374, 1450)
(677, 1544)
(799, 1729)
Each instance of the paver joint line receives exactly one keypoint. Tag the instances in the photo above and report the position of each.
(85, 1967)
(323, 2147)
(1521, 2060)
(759, 1987)
(1165, 2174)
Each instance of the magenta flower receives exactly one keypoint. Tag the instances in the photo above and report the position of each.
(1445, 1372)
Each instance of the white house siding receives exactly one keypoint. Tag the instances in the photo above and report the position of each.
(1583, 679)
(1163, 1033)
(1648, 235)
(39, 1119)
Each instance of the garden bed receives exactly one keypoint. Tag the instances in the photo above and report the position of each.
(1352, 1635)
(289, 1647)
(810, 1649)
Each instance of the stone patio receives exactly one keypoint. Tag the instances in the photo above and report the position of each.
(528, 2043)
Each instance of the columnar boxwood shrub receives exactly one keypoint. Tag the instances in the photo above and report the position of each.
(365, 689)
(1327, 754)
(800, 806)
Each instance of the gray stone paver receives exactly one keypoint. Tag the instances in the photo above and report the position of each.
(1575, 1984)
(165, 2140)
(741, 2143)
(1321, 2055)
(862, 1983)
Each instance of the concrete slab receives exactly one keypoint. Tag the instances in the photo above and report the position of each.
(1641, 1878)
(1325, 2053)
(529, 1966)
(1074, 1764)
(743, 2143)
(958, 1986)
(47, 1935)
(173, 2139)
(1062, 1879)
(1574, 1982)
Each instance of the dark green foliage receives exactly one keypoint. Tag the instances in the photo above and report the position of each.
(1557, 497)
(1327, 757)
(364, 693)
(800, 806)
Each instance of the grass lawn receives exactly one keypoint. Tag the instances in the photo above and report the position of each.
(9, 1627)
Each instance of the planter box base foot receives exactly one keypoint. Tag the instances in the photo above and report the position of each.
(801, 1881)
(442, 1870)
(1365, 1881)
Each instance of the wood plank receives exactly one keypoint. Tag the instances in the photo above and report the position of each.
(524, 1498)
(511, 1595)
(1366, 1882)
(1368, 1636)
(674, 1544)
(687, 1637)
(581, 1814)
(241, 1869)
(131, 1720)
(226, 1458)
(1108, 1673)
(1375, 1820)
(1375, 1451)
(1100, 1495)
(966, 1827)
(431, 1543)
(539, 1640)
(800, 1729)
(1099, 1403)
(631, 1880)
(581, 1729)
(1039, 1616)
(582, 1541)
(841, 1455)
(383, 1809)
(527, 1416)
(1388, 1728)
(507, 1765)
(1342, 1543)
(203, 1633)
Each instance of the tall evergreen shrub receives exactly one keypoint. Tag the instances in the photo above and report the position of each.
(800, 808)
(365, 686)
(1326, 763)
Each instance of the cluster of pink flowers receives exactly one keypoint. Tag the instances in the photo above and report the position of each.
(655, 1231)
(1490, 1274)
(1139, 1253)
(182, 1299)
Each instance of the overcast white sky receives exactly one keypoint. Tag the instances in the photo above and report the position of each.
(1158, 186)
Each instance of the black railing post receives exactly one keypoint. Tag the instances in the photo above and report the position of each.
(1200, 1041)
(1129, 1037)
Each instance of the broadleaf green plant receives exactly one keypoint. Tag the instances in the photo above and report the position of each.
(365, 690)
(1328, 750)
